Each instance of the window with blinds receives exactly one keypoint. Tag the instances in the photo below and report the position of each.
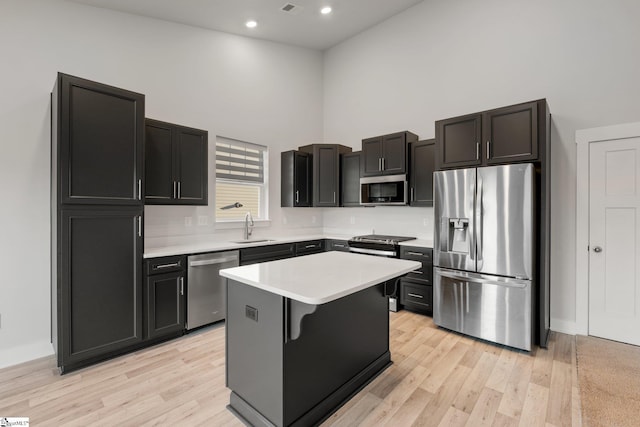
(240, 177)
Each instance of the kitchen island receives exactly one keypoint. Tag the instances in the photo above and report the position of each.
(303, 335)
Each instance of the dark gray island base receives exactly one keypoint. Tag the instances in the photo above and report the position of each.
(294, 364)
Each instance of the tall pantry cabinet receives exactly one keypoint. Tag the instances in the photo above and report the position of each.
(97, 134)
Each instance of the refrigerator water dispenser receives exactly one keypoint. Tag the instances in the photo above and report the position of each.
(456, 235)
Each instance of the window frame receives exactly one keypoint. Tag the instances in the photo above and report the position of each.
(263, 202)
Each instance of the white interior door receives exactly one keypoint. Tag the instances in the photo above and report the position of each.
(614, 240)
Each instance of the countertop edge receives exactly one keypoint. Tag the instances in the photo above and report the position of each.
(219, 246)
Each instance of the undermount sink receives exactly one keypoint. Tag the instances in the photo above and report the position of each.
(252, 241)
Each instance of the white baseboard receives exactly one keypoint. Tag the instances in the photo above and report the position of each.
(564, 326)
(16, 355)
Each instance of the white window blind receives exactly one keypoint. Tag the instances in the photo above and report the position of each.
(239, 161)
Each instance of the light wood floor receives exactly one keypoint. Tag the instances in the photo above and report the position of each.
(438, 378)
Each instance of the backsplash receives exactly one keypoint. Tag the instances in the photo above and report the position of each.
(174, 225)
(392, 220)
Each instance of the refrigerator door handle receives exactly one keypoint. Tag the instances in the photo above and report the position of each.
(507, 283)
(479, 225)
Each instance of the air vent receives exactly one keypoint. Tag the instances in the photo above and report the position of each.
(290, 8)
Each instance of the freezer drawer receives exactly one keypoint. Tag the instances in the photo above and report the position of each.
(493, 308)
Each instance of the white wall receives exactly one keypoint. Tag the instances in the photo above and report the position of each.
(238, 87)
(444, 58)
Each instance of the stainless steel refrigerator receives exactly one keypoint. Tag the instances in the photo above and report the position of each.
(484, 252)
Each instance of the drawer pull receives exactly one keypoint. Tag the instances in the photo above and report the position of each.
(416, 253)
(338, 245)
(416, 296)
(161, 266)
(310, 246)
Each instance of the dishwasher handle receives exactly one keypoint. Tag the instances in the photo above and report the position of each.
(211, 261)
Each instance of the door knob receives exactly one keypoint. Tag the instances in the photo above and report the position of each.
(597, 249)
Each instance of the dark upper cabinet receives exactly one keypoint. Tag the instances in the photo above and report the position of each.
(176, 161)
(422, 161)
(350, 179)
(458, 141)
(372, 156)
(295, 179)
(503, 135)
(165, 299)
(99, 293)
(98, 134)
(326, 172)
(386, 154)
(510, 134)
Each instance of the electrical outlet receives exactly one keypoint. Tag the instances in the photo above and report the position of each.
(352, 220)
(187, 221)
(203, 220)
(424, 221)
(313, 219)
(284, 219)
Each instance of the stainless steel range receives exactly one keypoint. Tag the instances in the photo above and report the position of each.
(380, 245)
(377, 244)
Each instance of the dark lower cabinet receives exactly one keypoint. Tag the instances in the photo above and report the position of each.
(165, 300)
(416, 288)
(350, 179)
(176, 159)
(266, 253)
(309, 247)
(421, 172)
(336, 245)
(416, 297)
(97, 300)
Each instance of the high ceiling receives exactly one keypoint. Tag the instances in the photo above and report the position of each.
(303, 26)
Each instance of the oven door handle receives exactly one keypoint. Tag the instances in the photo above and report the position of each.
(372, 251)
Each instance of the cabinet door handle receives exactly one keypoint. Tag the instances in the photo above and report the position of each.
(338, 245)
(297, 196)
(416, 296)
(161, 266)
(175, 192)
(139, 189)
(182, 286)
(412, 194)
(334, 197)
(139, 225)
(310, 246)
(416, 272)
(179, 189)
(379, 163)
(477, 151)
(383, 163)
(488, 144)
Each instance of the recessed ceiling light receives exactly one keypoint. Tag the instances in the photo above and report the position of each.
(251, 24)
(325, 10)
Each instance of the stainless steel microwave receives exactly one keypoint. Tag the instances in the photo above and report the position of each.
(384, 190)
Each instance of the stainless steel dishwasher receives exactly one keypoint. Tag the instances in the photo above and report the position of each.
(206, 289)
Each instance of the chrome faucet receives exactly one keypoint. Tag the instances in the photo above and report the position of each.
(248, 225)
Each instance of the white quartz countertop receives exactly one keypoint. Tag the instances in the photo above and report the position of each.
(418, 243)
(320, 278)
(214, 246)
